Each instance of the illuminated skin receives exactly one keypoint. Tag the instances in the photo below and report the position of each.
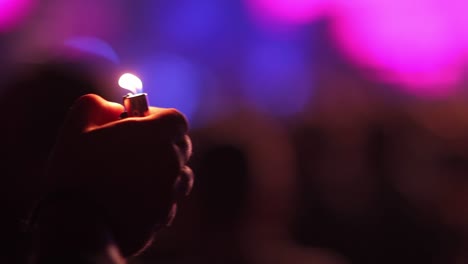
(131, 170)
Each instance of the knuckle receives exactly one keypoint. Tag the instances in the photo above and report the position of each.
(184, 145)
(86, 101)
(184, 183)
(188, 176)
(175, 118)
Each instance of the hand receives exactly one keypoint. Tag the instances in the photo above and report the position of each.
(134, 169)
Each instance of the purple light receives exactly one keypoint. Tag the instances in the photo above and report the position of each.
(93, 45)
(172, 81)
(13, 11)
(192, 22)
(276, 77)
(287, 11)
(457, 13)
(414, 43)
(66, 19)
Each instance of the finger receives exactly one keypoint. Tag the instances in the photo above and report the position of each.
(172, 214)
(184, 145)
(170, 117)
(162, 124)
(91, 111)
(184, 183)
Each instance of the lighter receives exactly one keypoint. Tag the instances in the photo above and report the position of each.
(135, 103)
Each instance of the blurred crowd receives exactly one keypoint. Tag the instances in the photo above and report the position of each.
(349, 184)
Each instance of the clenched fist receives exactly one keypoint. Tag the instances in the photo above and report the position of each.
(127, 173)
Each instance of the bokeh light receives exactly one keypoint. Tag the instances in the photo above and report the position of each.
(287, 11)
(172, 81)
(276, 76)
(13, 11)
(68, 19)
(94, 46)
(190, 23)
(456, 12)
(412, 43)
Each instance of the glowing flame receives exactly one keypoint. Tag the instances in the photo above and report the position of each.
(131, 82)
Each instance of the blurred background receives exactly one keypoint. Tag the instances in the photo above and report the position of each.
(325, 131)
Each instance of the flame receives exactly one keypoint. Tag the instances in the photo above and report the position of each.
(131, 82)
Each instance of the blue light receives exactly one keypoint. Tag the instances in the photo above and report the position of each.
(93, 45)
(190, 23)
(276, 76)
(171, 81)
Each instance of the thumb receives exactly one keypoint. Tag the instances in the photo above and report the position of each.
(90, 111)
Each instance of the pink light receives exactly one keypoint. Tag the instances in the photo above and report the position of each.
(12, 12)
(287, 11)
(413, 42)
(456, 12)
